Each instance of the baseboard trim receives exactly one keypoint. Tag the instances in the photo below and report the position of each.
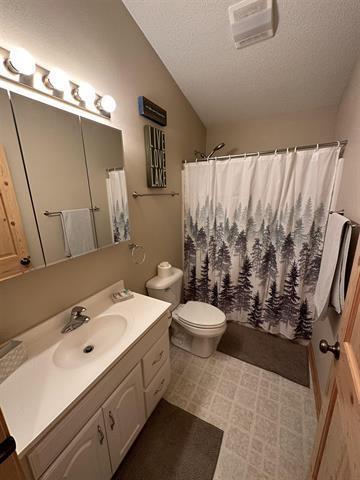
(315, 379)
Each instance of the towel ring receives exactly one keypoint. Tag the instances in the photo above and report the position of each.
(138, 254)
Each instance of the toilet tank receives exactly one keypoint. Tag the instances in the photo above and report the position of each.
(167, 288)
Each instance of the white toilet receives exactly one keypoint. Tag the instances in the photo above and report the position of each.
(197, 326)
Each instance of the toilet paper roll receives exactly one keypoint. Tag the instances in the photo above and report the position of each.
(164, 269)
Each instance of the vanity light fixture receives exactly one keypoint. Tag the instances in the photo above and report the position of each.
(52, 82)
(57, 80)
(106, 104)
(20, 61)
(85, 93)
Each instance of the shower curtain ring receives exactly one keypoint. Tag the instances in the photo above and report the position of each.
(338, 143)
(317, 147)
(295, 149)
(275, 153)
(287, 151)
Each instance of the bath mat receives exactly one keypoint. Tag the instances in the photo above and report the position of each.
(173, 445)
(278, 355)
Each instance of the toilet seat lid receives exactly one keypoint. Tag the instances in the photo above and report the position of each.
(202, 315)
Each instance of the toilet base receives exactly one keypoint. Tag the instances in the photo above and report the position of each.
(200, 346)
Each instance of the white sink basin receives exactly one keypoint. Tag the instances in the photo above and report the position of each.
(90, 341)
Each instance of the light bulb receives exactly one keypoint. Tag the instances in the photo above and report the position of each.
(21, 61)
(106, 104)
(57, 80)
(86, 93)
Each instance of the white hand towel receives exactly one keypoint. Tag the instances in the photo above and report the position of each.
(329, 260)
(337, 297)
(78, 231)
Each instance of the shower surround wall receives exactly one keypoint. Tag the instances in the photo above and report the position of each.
(275, 131)
(99, 42)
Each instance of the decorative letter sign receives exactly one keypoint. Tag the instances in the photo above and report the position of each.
(155, 157)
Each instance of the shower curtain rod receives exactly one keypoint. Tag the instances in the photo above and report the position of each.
(341, 143)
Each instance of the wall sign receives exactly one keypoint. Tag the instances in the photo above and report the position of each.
(155, 157)
(152, 111)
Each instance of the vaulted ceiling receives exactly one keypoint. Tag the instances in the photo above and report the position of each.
(306, 65)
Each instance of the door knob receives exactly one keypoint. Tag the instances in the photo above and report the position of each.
(334, 349)
(7, 447)
(25, 261)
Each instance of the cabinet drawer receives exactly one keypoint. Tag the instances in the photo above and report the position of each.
(155, 358)
(157, 388)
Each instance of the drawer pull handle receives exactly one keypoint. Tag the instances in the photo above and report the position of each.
(101, 435)
(159, 358)
(112, 420)
(160, 387)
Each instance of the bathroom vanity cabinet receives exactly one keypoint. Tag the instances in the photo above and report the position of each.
(90, 439)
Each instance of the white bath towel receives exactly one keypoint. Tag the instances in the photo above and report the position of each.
(78, 231)
(337, 297)
(330, 256)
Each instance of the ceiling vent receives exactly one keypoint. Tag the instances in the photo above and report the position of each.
(251, 21)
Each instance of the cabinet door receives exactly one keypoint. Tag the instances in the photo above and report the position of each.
(124, 414)
(87, 456)
(54, 160)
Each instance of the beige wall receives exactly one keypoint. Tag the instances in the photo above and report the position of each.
(100, 43)
(276, 131)
(347, 126)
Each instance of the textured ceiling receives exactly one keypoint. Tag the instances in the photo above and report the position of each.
(306, 65)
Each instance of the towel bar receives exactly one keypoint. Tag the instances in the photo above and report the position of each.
(136, 194)
(342, 212)
(55, 214)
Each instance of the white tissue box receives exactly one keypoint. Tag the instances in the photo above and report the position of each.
(12, 355)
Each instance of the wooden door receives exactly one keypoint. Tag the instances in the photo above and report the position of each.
(87, 456)
(337, 444)
(14, 256)
(9, 467)
(124, 414)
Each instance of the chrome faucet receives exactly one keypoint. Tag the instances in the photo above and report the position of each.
(76, 319)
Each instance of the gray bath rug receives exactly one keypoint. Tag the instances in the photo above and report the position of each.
(173, 445)
(278, 355)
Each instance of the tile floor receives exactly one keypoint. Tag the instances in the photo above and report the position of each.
(268, 422)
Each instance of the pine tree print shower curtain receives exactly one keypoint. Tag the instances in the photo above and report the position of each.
(254, 230)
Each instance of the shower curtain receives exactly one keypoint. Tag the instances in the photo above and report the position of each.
(253, 235)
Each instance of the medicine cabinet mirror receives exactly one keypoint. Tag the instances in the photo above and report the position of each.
(66, 186)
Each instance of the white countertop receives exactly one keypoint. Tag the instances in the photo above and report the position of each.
(34, 396)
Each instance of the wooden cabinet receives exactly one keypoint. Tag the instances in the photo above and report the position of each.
(13, 248)
(124, 414)
(87, 456)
